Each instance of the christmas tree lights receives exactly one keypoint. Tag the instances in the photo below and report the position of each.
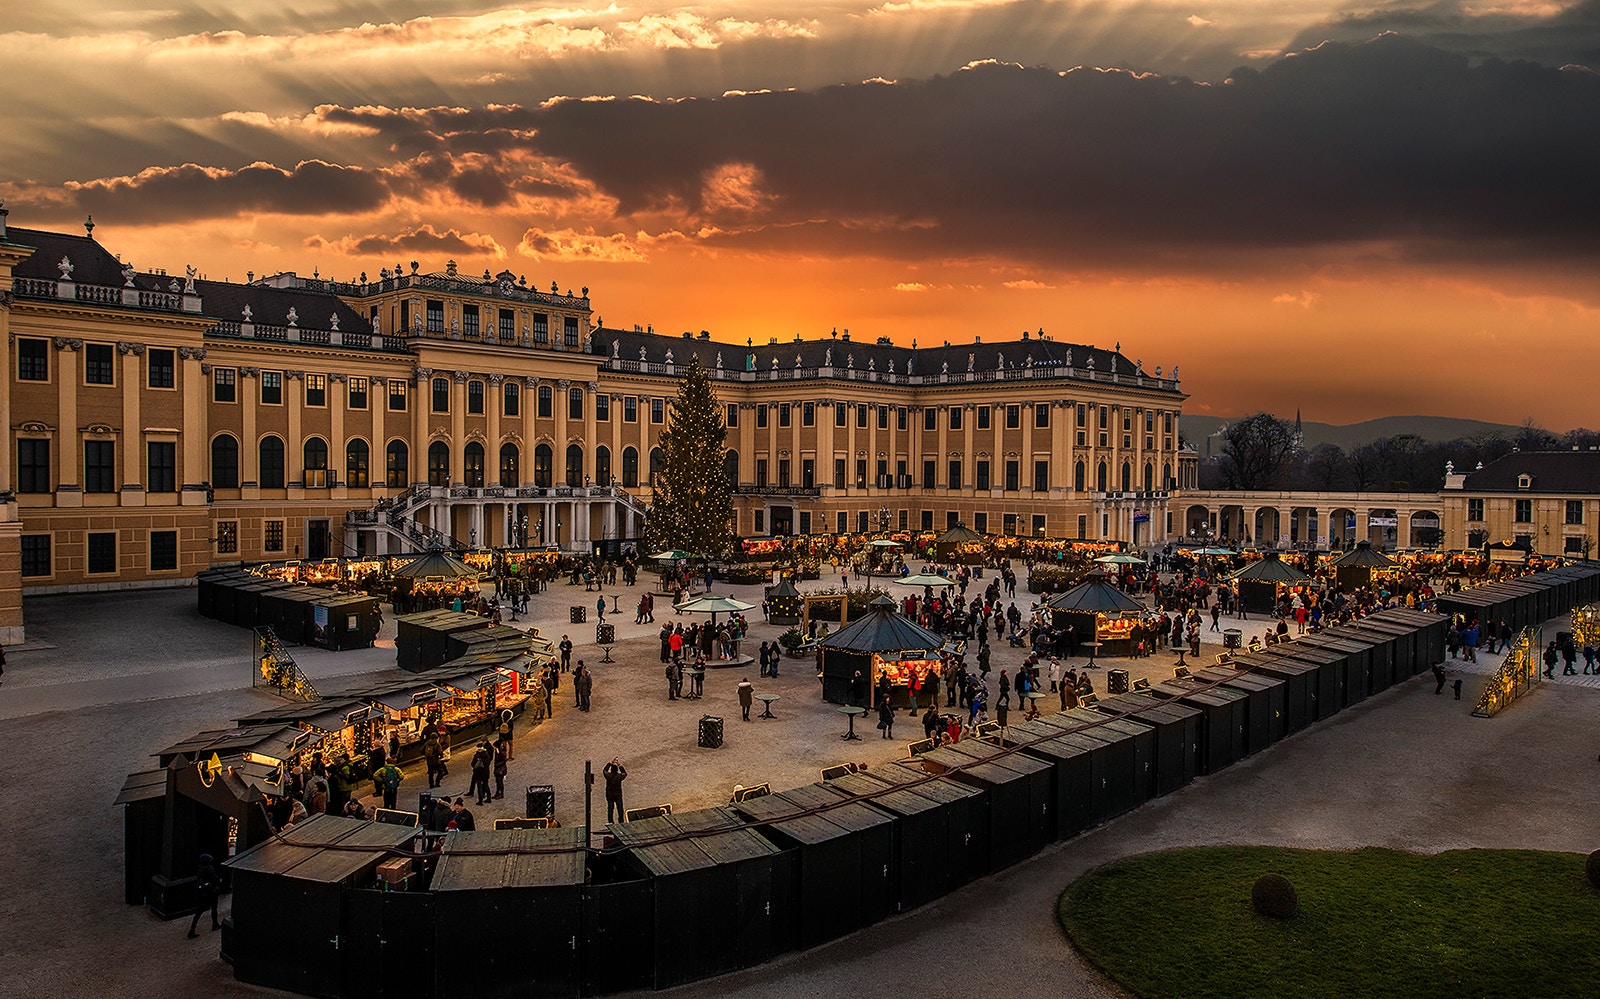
(692, 503)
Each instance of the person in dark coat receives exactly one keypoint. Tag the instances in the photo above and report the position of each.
(858, 690)
(747, 692)
(615, 773)
(886, 717)
(462, 817)
(207, 886)
(1438, 677)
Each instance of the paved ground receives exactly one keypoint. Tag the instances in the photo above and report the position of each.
(133, 672)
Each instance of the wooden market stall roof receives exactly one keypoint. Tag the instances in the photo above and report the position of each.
(1270, 568)
(1363, 555)
(959, 535)
(436, 565)
(511, 858)
(882, 630)
(1095, 595)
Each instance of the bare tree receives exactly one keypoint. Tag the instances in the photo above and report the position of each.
(1256, 451)
(1325, 468)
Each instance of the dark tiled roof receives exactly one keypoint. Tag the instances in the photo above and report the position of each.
(864, 355)
(270, 306)
(91, 262)
(1551, 471)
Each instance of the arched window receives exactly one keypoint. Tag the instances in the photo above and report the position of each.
(1127, 477)
(224, 462)
(510, 466)
(1166, 477)
(574, 465)
(1149, 477)
(1079, 477)
(472, 459)
(630, 468)
(602, 466)
(355, 464)
(438, 464)
(399, 468)
(730, 464)
(542, 460)
(1101, 477)
(658, 462)
(271, 462)
(316, 463)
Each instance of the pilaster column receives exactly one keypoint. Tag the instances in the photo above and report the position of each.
(196, 426)
(69, 457)
(132, 425)
(421, 403)
(495, 400)
(249, 448)
(458, 429)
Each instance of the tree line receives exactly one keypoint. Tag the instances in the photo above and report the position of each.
(1263, 452)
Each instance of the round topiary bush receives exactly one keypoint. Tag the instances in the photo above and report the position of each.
(1591, 867)
(1274, 897)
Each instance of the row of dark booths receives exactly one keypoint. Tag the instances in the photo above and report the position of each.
(301, 615)
(351, 909)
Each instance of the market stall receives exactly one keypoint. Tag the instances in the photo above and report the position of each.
(961, 545)
(882, 643)
(1096, 611)
(783, 603)
(422, 639)
(1354, 569)
(1263, 582)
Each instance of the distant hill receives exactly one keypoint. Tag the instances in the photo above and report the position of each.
(1430, 428)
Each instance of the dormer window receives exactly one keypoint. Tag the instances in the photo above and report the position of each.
(1524, 481)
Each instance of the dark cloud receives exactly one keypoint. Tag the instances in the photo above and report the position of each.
(169, 194)
(422, 239)
(1387, 142)
(1568, 36)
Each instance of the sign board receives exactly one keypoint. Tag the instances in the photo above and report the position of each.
(1283, 541)
(1383, 521)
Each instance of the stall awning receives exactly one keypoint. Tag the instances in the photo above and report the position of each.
(883, 630)
(1095, 595)
(142, 786)
(1363, 555)
(1270, 568)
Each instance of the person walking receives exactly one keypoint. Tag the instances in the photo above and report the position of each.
(615, 773)
(502, 763)
(482, 764)
(1438, 678)
(389, 778)
(886, 717)
(208, 884)
(566, 653)
(585, 685)
(600, 608)
(774, 653)
(1569, 657)
(765, 660)
(747, 693)
(1550, 657)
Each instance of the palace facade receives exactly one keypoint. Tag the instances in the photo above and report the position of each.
(157, 424)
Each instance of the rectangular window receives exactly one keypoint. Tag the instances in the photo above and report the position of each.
(1012, 474)
(357, 395)
(761, 521)
(99, 368)
(227, 537)
(33, 466)
(316, 390)
(1524, 511)
(1149, 443)
(1149, 421)
(861, 417)
(162, 474)
(844, 522)
(541, 328)
(784, 414)
(839, 416)
(883, 474)
(930, 473)
(574, 403)
(761, 416)
(1083, 525)
(1041, 414)
(955, 417)
(102, 552)
(435, 316)
(930, 419)
(508, 325)
(99, 466)
(163, 551)
(1166, 423)
(569, 331)
(1474, 509)
(1574, 511)
(469, 321)
(905, 519)
(630, 409)
(1041, 476)
(397, 395)
(1083, 438)
(33, 360)
(441, 395)
(761, 473)
(980, 523)
(224, 385)
(838, 473)
(954, 481)
(1105, 417)
(1008, 524)
(805, 521)
(271, 388)
(900, 418)
(980, 473)
(1038, 525)
(861, 473)
(1013, 417)
(1105, 439)
(927, 520)
(1083, 415)
(1127, 419)
(544, 407)
(35, 555)
(731, 415)
(883, 417)
(272, 535)
(658, 410)
(1127, 440)
(808, 414)
(808, 474)
(783, 473)
(602, 407)
(951, 518)
(162, 367)
(475, 397)
(863, 522)
(983, 417)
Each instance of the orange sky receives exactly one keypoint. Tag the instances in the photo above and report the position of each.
(1296, 207)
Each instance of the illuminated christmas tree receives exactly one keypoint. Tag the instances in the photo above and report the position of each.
(692, 508)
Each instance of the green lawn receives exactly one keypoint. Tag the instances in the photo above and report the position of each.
(1372, 924)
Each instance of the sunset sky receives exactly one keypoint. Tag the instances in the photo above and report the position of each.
(1356, 210)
